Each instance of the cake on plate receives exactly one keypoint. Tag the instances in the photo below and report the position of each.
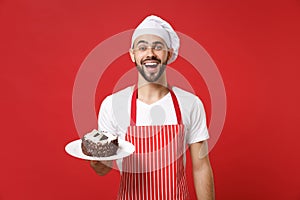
(99, 144)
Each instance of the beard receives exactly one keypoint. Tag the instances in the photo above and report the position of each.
(151, 77)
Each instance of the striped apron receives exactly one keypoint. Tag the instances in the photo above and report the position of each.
(155, 171)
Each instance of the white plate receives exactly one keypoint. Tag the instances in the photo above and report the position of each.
(125, 149)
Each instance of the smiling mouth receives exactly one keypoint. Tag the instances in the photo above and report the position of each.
(150, 64)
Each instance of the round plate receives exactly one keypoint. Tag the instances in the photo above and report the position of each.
(125, 149)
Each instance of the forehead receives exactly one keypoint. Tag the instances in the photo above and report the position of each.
(149, 39)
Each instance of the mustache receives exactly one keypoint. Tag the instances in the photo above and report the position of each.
(150, 58)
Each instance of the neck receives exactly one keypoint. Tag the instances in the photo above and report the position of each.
(151, 92)
(161, 81)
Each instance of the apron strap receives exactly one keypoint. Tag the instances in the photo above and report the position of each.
(133, 106)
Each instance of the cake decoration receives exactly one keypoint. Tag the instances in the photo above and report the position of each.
(99, 144)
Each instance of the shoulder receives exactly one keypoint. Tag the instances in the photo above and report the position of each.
(121, 94)
(188, 102)
(185, 97)
(124, 92)
(180, 92)
(118, 99)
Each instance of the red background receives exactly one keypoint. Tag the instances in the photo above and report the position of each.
(255, 45)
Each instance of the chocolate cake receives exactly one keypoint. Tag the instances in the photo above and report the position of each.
(99, 144)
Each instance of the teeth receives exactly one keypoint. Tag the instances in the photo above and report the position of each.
(150, 64)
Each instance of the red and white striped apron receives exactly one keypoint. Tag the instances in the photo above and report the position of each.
(155, 171)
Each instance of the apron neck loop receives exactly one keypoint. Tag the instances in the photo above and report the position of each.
(133, 106)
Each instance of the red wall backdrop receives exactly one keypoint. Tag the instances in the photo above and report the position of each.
(255, 45)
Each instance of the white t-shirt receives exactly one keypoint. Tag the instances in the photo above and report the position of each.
(114, 115)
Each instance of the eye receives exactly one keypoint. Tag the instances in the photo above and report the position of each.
(142, 48)
(158, 47)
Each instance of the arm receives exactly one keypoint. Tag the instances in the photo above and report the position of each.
(202, 172)
(104, 123)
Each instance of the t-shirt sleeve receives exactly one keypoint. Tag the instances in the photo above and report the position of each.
(197, 129)
(105, 117)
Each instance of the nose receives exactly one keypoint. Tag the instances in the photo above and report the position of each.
(150, 52)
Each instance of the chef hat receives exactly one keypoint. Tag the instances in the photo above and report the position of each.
(156, 26)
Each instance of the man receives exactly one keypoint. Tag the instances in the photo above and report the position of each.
(159, 120)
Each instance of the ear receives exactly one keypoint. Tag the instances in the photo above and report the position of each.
(131, 55)
(170, 54)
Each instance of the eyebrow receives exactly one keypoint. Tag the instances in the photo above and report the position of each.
(144, 41)
(158, 42)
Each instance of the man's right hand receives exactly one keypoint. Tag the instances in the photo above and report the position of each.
(101, 167)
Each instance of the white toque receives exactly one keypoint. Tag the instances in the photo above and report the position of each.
(156, 26)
